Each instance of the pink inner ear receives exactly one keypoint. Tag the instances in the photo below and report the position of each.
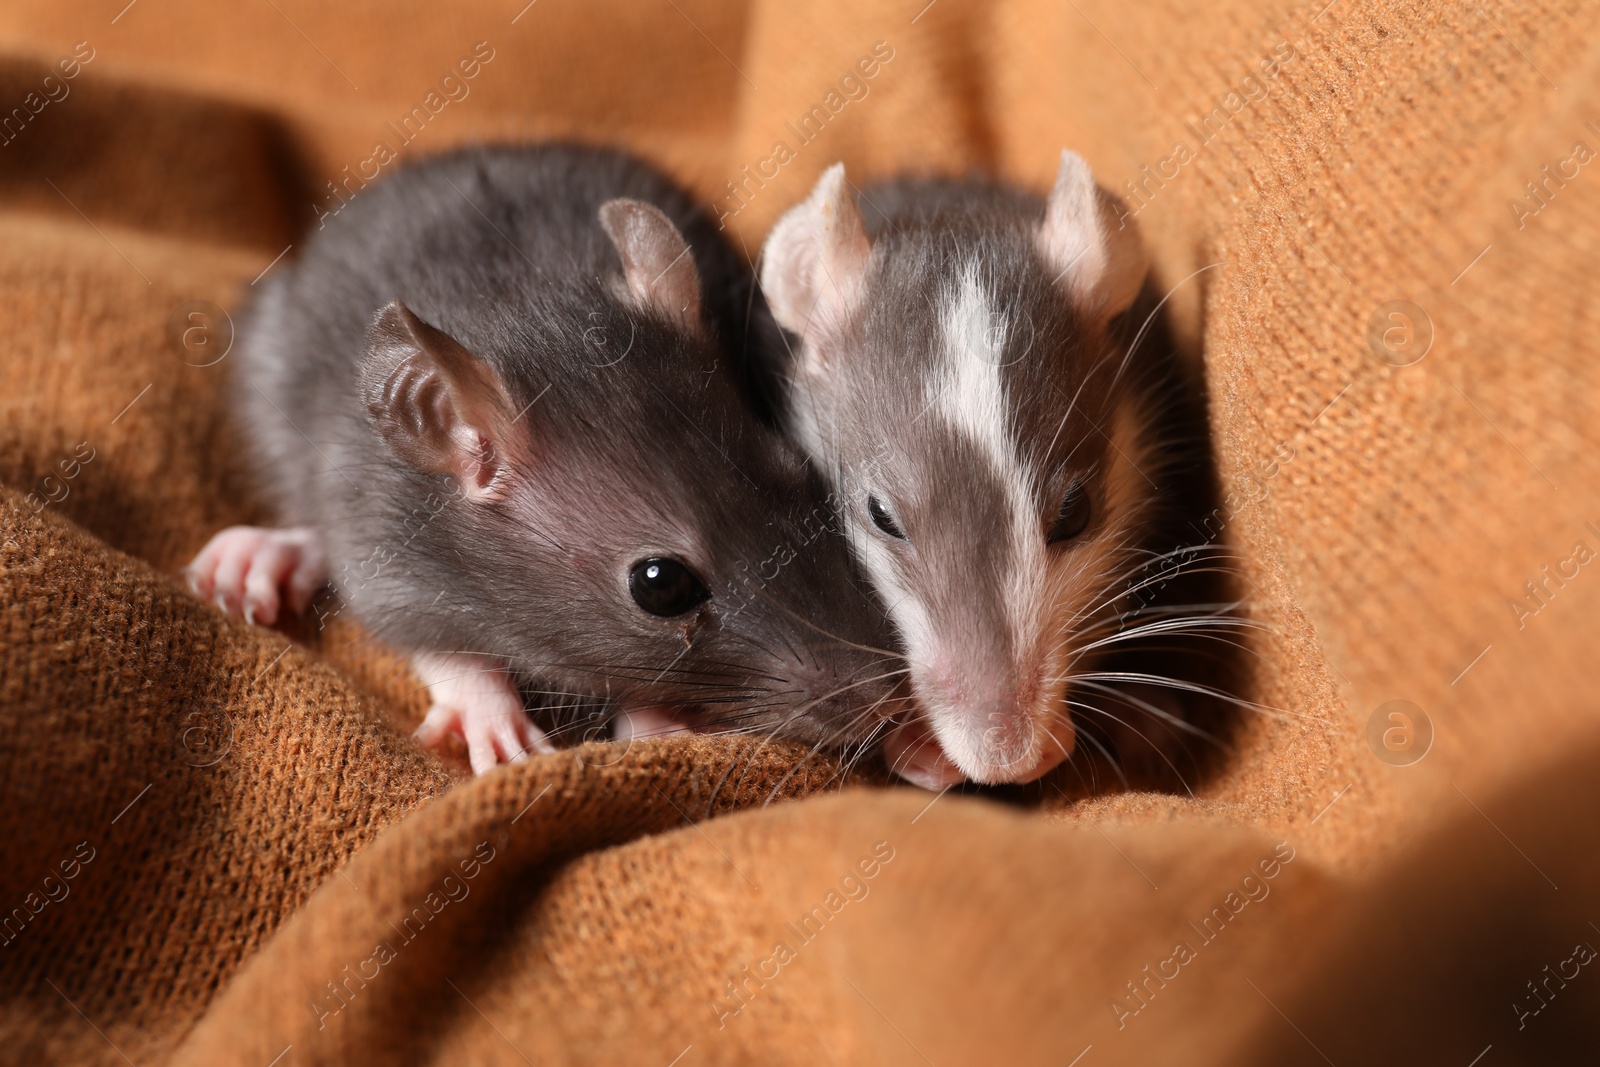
(815, 261)
(657, 266)
(846, 243)
(436, 405)
(1070, 238)
(1090, 242)
(478, 466)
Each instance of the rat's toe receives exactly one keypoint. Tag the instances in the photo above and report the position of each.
(481, 751)
(507, 735)
(250, 571)
(260, 596)
(201, 572)
(227, 581)
(440, 722)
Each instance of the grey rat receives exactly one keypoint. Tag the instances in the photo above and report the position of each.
(960, 369)
(493, 402)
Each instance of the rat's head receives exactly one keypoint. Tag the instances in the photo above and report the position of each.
(956, 378)
(625, 527)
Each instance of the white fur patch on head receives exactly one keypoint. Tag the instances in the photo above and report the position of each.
(908, 613)
(971, 397)
(967, 394)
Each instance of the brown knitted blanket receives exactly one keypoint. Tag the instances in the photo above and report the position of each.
(1378, 223)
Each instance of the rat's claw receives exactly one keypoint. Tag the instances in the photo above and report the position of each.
(507, 740)
(251, 571)
(260, 594)
(491, 736)
(227, 581)
(475, 698)
(479, 731)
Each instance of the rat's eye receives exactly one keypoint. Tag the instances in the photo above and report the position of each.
(1073, 516)
(664, 586)
(883, 520)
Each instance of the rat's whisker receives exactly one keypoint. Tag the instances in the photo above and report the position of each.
(1177, 774)
(1088, 736)
(812, 754)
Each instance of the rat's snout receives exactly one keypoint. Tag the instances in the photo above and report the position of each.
(995, 725)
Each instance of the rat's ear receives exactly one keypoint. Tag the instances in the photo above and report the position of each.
(436, 405)
(656, 265)
(814, 264)
(1090, 242)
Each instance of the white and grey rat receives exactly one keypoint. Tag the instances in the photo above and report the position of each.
(960, 373)
(492, 401)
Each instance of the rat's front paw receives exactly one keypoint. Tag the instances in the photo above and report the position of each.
(913, 753)
(476, 699)
(254, 572)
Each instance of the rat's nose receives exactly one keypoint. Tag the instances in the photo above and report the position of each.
(996, 731)
(1008, 744)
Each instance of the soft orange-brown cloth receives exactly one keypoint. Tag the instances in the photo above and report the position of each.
(1375, 223)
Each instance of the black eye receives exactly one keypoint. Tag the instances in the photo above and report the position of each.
(1073, 516)
(883, 520)
(665, 587)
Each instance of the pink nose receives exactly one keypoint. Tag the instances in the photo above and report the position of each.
(1016, 747)
(995, 732)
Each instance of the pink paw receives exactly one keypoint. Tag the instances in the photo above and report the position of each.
(914, 754)
(475, 699)
(254, 572)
